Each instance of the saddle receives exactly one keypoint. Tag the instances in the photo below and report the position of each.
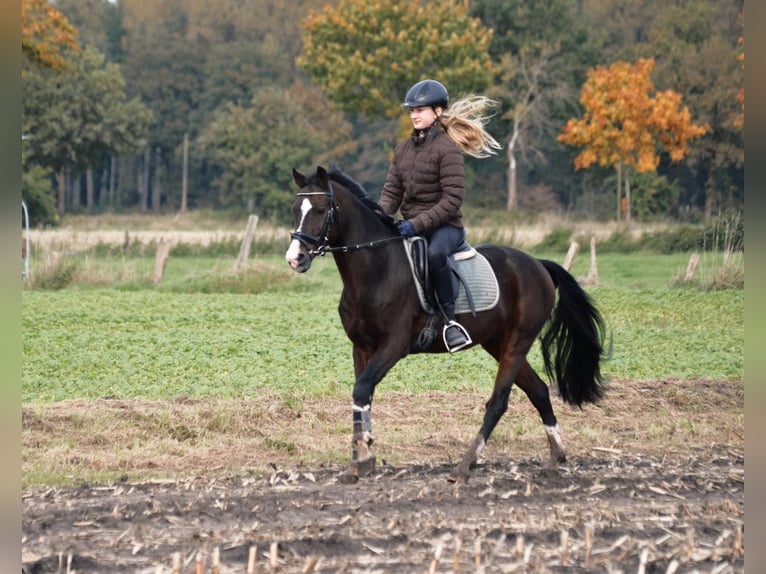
(474, 280)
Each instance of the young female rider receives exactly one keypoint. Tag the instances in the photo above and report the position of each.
(425, 182)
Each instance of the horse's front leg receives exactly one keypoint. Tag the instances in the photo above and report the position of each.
(370, 369)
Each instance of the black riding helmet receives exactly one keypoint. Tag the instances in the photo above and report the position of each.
(427, 93)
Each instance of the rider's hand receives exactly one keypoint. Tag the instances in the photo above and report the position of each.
(405, 229)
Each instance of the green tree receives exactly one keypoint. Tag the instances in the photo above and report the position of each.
(166, 71)
(187, 59)
(164, 66)
(72, 120)
(87, 17)
(253, 148)
(653, 197)
(624, 25)
(98, 23)
(365, 54)
(697, 56)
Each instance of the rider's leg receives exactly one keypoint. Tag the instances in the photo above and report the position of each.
(442, 242)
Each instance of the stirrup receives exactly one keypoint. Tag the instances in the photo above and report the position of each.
(455, 325)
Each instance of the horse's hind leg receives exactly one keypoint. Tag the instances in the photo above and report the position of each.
(537, 391)
(495, 407)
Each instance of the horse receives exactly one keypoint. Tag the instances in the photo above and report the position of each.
(384, 318)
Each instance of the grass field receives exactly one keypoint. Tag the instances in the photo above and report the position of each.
(162, 342)
(118, 373)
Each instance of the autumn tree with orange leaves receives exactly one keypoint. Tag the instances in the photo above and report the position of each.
(45, 32)
(739, 120)
(628, 125)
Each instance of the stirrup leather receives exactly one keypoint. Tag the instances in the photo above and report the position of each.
(456, 325)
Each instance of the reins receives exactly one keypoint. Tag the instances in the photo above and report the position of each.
(357, 246)
(321, 246)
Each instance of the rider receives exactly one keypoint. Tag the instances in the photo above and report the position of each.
(426, 182)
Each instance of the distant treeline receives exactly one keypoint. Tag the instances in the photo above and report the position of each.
(185, 104)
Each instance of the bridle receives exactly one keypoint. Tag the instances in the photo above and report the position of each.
(319, 245)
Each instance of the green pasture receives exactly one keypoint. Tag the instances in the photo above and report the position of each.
(208, 332)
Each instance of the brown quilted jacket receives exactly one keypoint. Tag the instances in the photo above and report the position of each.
(426, 181)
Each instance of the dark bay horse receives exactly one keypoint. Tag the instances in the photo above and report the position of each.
(383, 317)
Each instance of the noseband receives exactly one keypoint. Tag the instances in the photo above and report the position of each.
(319, 245)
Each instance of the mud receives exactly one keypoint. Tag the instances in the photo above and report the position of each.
(606, 512)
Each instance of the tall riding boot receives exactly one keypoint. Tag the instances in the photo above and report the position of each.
(454, 334)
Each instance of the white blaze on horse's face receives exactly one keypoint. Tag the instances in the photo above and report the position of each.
(294, 252)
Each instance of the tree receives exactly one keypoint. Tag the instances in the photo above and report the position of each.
(700, 63)
(542, 50)
(45, 34)
(365, 54)
(254, 147)
(627, 124)
(73, 119)
(739, 119)
(526, 84)
(694, 44)
(98, 24)
(165, 70)
(188, 59)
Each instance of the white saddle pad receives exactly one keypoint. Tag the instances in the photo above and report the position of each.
(477, 271)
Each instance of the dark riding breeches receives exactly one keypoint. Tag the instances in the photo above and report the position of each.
(443, 242)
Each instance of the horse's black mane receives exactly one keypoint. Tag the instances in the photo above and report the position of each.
(337, 175)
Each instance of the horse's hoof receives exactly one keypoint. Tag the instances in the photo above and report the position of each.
(348, 476)
(459, 476)
(556, 461)
(365, 467)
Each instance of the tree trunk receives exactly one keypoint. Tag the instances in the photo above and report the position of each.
(103, 186)
(89, 193)
(619, 190)
(140, 184)
(144, 181)
(709, 199)
(61, 191)
(628, 217)
(185, 174)
(513, 196)
(112, 181)
(156, 195)
(73, 184)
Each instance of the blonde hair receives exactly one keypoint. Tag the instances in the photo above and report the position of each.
(464, 124)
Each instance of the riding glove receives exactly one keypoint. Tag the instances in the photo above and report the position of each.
(405, 229)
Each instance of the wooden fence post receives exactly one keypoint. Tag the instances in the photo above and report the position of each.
(574, 247)
(593, 273)
(163, 252)
(694, 259)
(247, 240)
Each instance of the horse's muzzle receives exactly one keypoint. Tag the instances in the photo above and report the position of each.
(297, 257)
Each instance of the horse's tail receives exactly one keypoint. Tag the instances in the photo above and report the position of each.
(576, 333)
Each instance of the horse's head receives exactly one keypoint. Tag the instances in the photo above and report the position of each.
(314, 210)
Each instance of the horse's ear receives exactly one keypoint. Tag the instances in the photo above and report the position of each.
(299, 179)
(323, 177)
